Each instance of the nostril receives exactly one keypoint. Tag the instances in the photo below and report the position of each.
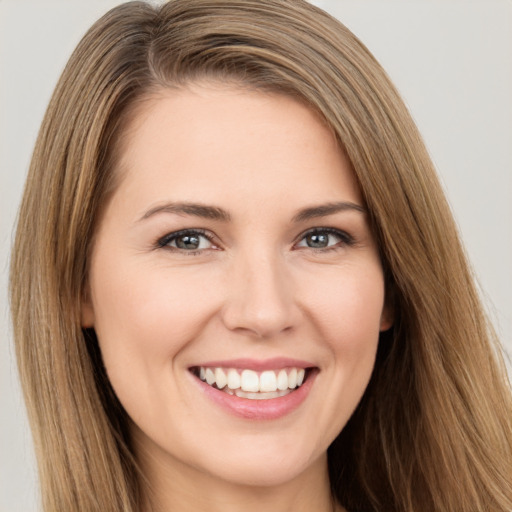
(259, 323)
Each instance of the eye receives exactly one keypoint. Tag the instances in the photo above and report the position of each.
(188, 240)
(325, 238)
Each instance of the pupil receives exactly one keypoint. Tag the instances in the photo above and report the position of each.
(318, 240)
(188, 242)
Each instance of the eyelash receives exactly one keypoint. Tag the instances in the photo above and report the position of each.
(163, 243)
(346, 240)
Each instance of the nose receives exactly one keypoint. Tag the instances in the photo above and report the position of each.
(260, 299)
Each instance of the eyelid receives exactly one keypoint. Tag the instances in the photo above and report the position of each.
(346, 238)
(163, 242)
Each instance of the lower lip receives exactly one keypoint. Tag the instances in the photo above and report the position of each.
(270, 409)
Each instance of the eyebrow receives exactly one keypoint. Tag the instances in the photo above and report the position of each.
(325, 210)
(195, 209)
(219, 214)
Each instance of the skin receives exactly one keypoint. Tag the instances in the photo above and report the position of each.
(256, 290)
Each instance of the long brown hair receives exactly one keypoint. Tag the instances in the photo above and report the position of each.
(433, 430)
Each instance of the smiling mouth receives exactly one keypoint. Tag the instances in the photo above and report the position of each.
(245, 383)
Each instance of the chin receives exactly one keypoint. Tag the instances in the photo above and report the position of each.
(266, 467)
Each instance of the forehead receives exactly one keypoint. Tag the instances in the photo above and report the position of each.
(205, 140)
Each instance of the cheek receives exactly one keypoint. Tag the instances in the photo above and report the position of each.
(149, 300)
(347, 307)
(145, 320)
(348, 317)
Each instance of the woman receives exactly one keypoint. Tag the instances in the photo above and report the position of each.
(236, 281)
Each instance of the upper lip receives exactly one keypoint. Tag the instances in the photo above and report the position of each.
(257, 364)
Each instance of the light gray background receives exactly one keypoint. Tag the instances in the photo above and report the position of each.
(451, 60)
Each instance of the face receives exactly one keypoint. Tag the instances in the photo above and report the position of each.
(235, 254)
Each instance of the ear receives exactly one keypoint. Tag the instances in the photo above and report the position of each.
(387, 318)
(86, 309)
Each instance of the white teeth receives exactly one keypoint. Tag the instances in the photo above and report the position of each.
(268, 381)
(233, 379)
(264, 385)
(292, 378)
(220, 378)
(300, 376)
(261, 396)
(249, 381)
(282, 380)
(210, 376)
